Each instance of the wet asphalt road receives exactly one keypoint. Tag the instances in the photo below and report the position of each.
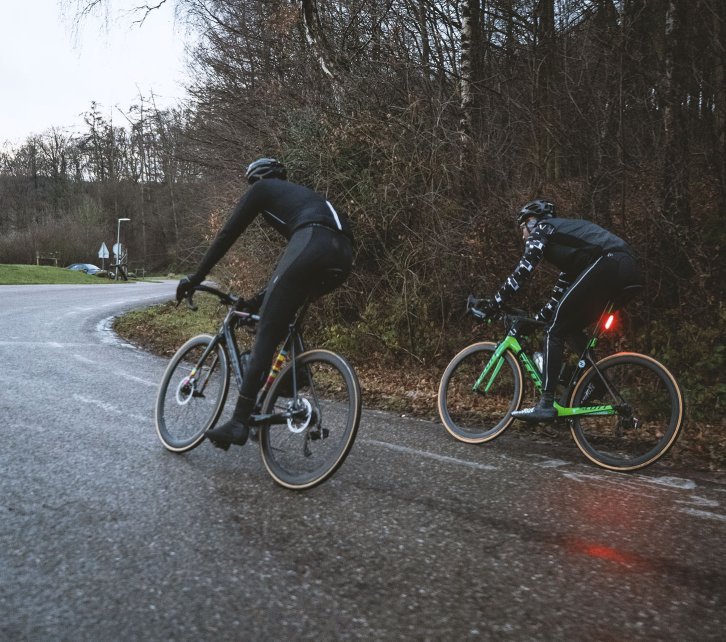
(104, 535)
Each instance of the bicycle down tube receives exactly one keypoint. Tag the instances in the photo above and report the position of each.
(511, 344)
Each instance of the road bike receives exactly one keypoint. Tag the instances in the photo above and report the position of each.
(307, 412)
(624, 411)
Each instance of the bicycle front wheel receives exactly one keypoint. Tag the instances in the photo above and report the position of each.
(649, 418)
(192, 394)
(475, 409)
(311, 446)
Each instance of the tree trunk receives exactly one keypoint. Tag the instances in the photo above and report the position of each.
(544, 88)
(675, 209)
(718, 47)
(470, 44)
(316, 41)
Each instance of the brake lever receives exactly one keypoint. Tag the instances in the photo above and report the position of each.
(471, 303)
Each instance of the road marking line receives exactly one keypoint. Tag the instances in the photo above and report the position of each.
(671, 482)
(82, 359)
(110, 408)
(635, 482)
(552, 463)
(704, 513)
(123, 375)
(699, 501)
(423, 453)
(130, 377)
(76, 311)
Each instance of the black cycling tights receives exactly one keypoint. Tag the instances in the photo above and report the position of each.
(302, 273)
(581, 305)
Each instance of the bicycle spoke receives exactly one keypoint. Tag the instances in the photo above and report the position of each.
(188, 404)
(473, 406)
(648, 419)
(324, 418)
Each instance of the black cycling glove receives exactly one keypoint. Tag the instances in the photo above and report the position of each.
(186, 287)
(255, 303)
(487, 307)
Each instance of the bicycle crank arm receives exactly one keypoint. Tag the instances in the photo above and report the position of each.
(269, 419)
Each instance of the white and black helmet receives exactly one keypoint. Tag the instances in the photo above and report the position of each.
(538, 208)
(265, 168)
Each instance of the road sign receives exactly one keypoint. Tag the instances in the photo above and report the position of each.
(103, 252)
(118, 249)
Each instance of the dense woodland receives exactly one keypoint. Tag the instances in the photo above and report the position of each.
(430, 122)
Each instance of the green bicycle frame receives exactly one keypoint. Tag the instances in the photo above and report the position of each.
(491, 370)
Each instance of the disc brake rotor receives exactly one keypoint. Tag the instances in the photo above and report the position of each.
(184, 392)
(301, 418)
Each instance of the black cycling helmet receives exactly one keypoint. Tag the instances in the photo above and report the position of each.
(265, 168)
(538, 208)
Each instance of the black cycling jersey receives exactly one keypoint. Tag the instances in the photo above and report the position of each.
(570, 245)
(286, 206)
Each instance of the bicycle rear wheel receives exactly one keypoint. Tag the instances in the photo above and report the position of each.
(192, 394)
(477, 413)
(307, 450)
(650, 412)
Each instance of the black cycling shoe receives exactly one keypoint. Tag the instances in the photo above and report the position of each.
(233, 432)
(543, 411)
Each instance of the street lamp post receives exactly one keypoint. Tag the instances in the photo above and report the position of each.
(118, 244)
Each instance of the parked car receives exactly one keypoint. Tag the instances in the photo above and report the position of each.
(88, 268)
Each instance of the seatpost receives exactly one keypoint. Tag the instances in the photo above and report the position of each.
(293, 352)
(599, 327)
(294, 338)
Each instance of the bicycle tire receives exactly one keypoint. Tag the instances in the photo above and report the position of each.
(302, 454)
(474, 416)
(182, 416)
(619, 442)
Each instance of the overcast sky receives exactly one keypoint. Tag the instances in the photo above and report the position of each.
(49, 75)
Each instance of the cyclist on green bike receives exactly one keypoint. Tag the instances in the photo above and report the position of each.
(595, 266)
(318, 258)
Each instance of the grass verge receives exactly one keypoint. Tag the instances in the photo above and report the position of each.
(43, 274)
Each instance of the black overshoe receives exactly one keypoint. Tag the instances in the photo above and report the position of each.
(543, 411)
(232, 432)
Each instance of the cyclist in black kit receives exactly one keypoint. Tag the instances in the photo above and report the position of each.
(318, 258)
(595, 266)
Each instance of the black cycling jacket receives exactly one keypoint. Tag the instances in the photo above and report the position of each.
(284, 205)
(571, 245)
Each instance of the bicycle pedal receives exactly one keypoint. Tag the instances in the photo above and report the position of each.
(318, 434)
(254, 435)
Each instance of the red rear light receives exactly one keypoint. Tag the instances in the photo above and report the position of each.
(609, 321)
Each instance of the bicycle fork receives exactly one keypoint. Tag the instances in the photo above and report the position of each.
(190, 383)
(495, 363)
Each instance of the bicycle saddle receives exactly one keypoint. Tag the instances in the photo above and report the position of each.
(626, 295)
(331, 277)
